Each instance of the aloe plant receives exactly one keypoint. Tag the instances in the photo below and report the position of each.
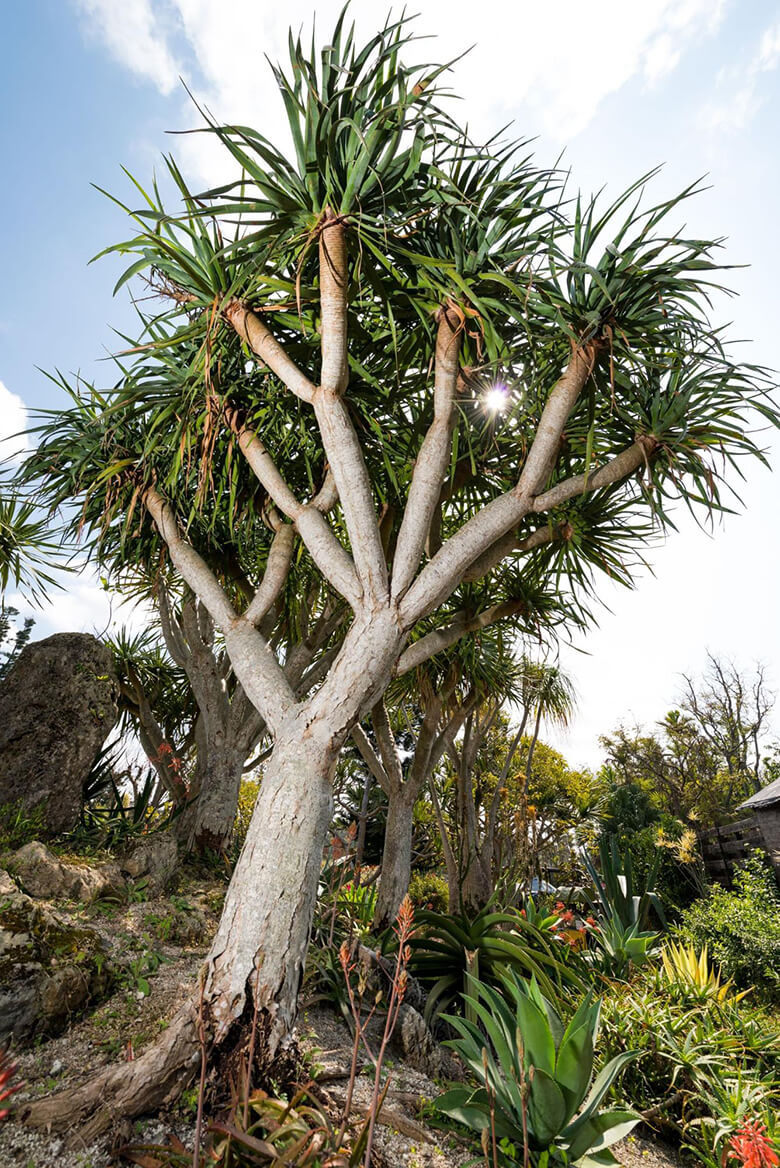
(533, 1077)
(618, 947)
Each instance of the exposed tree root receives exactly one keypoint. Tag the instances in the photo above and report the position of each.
(155, 1079)
(135, 1088)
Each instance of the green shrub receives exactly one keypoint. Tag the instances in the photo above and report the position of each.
(19, 825)
(741, 928)
(428, 890)
(701, 1065)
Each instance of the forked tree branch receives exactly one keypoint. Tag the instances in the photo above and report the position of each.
(328, 553)
(253, 662)
(445, 571)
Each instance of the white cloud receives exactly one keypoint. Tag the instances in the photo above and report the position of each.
(553, 64)
(744, 98)
(135, 36)
(83, 605)
(13, 419)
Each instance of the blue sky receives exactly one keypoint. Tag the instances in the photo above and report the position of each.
(91, 85)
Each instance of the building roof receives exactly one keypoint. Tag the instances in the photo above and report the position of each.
(763, 798)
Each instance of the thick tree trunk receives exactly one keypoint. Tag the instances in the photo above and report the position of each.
(256, 959)
(396, 856)
(259, 951)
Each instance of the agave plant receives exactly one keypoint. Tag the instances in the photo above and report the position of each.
(691, 975)
(451, 948)
(618, 947)
(534, 1077)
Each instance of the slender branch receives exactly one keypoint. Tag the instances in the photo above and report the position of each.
(370, 757)
(324, 548)
(387, 744)
(172, 634)
(256, 334)
(191, 566)
(433, 458)
(342, 448)
(461, 625)
(505, 546)
(253, 662)
(276, 571)
(544, 448)
(327, 497)
(619, 467)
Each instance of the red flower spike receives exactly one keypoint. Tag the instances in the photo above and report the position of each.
(7, 1072)
(752, 1147)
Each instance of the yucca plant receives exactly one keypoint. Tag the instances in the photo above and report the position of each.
(450, 948)
(616, 894)
(690, 975)
(533, 1075)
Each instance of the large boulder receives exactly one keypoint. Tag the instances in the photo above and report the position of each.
(49, 969)
(57, 706)
(44, 875)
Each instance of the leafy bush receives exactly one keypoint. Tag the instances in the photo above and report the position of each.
(534, 1077)
(741, 928)
(19, 825)
(674, 849)
(428, 890)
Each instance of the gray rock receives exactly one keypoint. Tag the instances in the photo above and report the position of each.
(57, 705)
(153, 859)
(49, 970)
(42, 874)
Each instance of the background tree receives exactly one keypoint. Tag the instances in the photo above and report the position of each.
(732, 711)
(311, 387)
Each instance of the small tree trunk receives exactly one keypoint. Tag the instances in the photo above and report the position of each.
(208, 823)
(396, 856)
(475, 885)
